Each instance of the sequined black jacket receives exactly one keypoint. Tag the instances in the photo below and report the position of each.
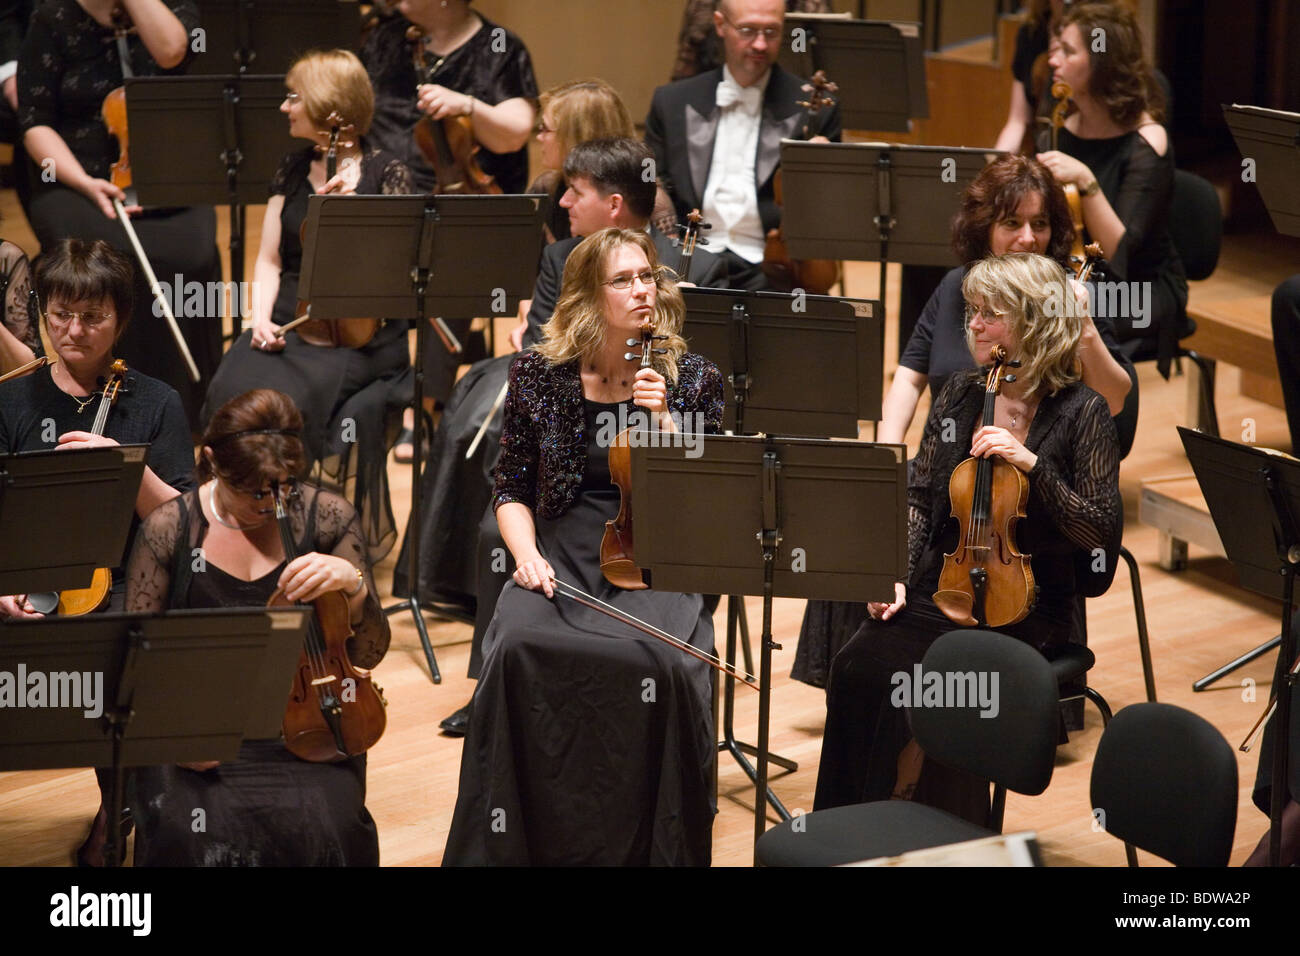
(543, 437)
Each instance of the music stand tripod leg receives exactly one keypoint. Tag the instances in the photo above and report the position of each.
(414, 526)
(738, 750)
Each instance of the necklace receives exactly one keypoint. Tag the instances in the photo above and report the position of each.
(81, 406)
(212, 504)
(604, 380)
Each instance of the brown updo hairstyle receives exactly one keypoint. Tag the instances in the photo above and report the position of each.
(1120, 78)
(253, 438)
(80, 270)
(996, 193)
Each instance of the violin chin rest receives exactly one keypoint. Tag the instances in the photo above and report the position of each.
(956, 606)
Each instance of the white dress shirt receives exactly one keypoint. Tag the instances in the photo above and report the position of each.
(731, 193)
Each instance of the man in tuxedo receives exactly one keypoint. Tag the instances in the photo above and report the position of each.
(717, 137)
(609, 186)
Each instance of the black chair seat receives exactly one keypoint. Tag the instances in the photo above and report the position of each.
(1071, 661)
(863, 831)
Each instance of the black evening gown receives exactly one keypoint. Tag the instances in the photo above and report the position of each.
(267, 807)
(589, 743)
(351, 399)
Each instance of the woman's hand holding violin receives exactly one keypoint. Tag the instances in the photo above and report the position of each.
(75, 440)
(307, 577)
(994, 440)
(438, 102)
(650, 391)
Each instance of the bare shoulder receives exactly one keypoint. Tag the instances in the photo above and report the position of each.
(1154, 134)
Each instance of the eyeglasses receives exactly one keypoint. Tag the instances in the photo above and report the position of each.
(543, 128)
(290, 486)
(987, 316)
(292, 97)
(91, 319)
(749, 34)
(648, 278)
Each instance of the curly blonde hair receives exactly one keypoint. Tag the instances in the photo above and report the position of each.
(1036, 294)
(577, 329)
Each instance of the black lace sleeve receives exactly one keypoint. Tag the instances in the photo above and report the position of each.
(396, 179)
(1089, 512)
(338, 532)
(149, 569)
(15, 283)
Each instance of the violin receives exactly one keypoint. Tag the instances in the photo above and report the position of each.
(448, 145)
(617, 560)
(330, 333)
(1061, 92)
(113, 113)
(985, 580)
(690, 238)
(80, 601)
(783, 273)
(335, 710)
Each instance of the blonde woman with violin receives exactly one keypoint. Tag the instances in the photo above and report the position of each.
(349, 397)
(71, 60)
(1114, 150)
(1055, 430)
(268, 807)
(632, 717)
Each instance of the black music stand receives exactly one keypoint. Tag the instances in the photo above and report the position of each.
(780, 517)
(268, 35)
(875, 201)
(797, 365)
(86, 499)
(1254, 499)
(186, 686)
(234, 140)
(408, 257)
(878, 65)
(1272, 139)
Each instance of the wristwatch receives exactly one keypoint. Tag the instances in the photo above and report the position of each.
(1089, 189)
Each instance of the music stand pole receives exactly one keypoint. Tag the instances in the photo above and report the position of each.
(420, 279)
(1288, 550)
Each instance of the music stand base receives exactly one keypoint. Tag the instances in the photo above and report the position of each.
(411, 605)
(1241, 661)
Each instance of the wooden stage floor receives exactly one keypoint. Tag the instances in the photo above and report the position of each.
(1198, 620)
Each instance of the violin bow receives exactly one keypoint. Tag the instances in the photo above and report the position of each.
(596, 604)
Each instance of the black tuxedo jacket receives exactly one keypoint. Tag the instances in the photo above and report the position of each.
(683, 124)
(707, 270)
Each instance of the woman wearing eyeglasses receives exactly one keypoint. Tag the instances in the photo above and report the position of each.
(267, 808)
(1057, 431)
(70, 60)
(86, 289)
(349, 398)
(588, 743)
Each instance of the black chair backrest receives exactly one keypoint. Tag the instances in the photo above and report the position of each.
(998, 708)
(1195, 223)
(1165, 780)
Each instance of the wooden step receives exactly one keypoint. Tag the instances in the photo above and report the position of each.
(1175, 507)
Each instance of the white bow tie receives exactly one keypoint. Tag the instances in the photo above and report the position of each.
(729, 94)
